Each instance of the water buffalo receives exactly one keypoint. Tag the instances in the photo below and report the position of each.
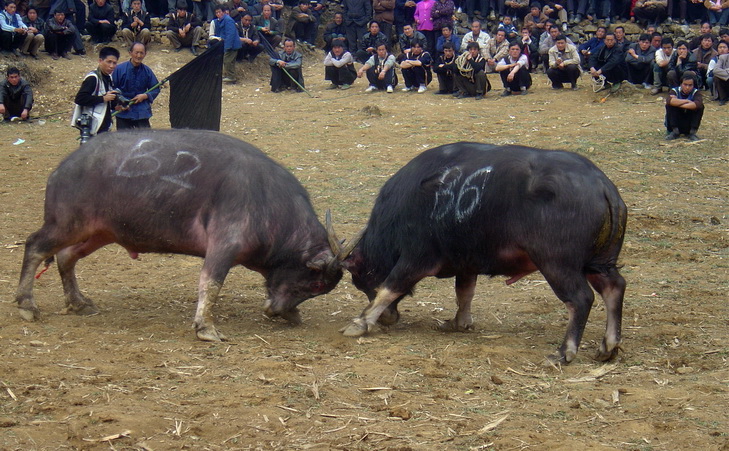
(185, 192)
(466, 209)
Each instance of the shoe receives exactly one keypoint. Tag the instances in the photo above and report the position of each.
(459, 95)
(345, 86)
(722, 102)
(332, 86)
(607, 23)
(506, 93)
(79, 52)
(523, 91)
(54, 56)
(574, 86)
(34, 56)
(178, 49)
(371, 88)
(66, 55)
(615, 87)
(571, 18)
(578, 18)
(16, 52)
(389, 89)
(647, 86)
(556, 87)
(422, 89)
(479, 97)
(655, 91)
(671, 136)
(228, 80)
(440, 93)
(193, 50)
(406, 89)
(693, 137)
(564, 27)
(492, 16)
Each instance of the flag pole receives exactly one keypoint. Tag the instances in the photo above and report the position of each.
(132, 102)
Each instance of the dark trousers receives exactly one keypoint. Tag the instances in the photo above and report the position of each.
(249, 52)
(279, 80)
(305, 31)
(684, 120)
(125, 124)
(446, 81)
(58, 43)
(11, 41)
(361, 55)
(639, 73)
(389, 80)
(615, 75)
(522, 79)
(344, 75)
(13, 107)
(569, 74)
(416, 76)
(577, 7)
(478, 86)
(722, 88)
(600, 9)
(354, 34)
(101, 32)
(651, 15)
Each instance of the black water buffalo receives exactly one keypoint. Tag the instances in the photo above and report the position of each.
(185, 192)
(466, 209)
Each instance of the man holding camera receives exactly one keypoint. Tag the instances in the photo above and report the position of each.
(96, 97)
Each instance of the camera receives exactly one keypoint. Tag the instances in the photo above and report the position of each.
(121, 99)
(83, 123)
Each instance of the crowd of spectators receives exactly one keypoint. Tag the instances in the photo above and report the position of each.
(511, 38)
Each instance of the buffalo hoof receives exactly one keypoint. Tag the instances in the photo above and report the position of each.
(81, 310)
(292, 316)
(210, 333)
(356, 328)
(389, 317)
(452, 325)
(29, 314)
(605, 356)
(559, 359)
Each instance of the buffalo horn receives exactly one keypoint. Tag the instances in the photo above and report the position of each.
(334, 242)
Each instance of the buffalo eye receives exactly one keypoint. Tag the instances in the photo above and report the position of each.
(317, 286)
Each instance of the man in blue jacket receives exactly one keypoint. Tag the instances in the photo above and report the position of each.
(133, 79)
(226, 30)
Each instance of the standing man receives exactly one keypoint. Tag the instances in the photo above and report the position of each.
(226, 30)
(16, 96)
(96, 97)
(357, 14)
(134, 79)
(684, 109)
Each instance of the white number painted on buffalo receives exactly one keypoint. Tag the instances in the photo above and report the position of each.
(459, 201)
(139, 163)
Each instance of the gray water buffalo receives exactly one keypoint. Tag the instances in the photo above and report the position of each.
(184, 192)
(467, 209)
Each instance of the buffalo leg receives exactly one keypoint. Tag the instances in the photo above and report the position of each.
(390, 315)
(212, 276)
(465, 289)
(75, 301)
(366, 321)
(572, 288)
(611, 287)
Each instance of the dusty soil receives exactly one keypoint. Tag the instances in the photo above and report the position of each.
(135, 377)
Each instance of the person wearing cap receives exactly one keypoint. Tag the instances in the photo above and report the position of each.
(184, 29)
(339, 66)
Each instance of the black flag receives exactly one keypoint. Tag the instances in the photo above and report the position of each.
(196, 91)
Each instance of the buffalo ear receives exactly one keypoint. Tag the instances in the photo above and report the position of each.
(353, 262)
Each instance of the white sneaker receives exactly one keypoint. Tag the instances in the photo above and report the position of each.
(389, 89)
(406, 89)
(422, 88)
(370, 88)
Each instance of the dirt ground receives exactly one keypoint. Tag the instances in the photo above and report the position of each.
(135, 377)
